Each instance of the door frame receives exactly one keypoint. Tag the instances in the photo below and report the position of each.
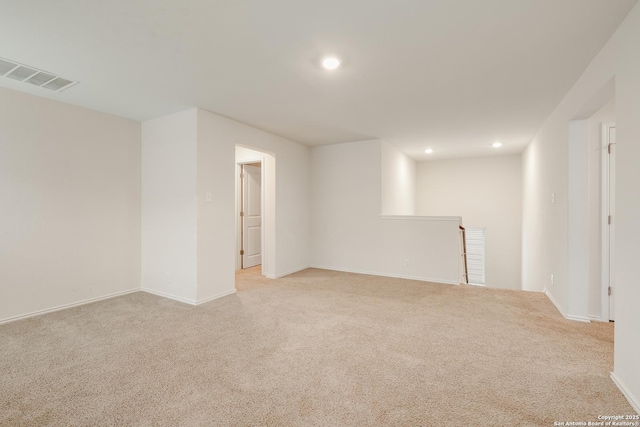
(240, 201)
(608, 249)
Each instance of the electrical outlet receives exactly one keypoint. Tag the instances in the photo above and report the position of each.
(207, 197)
(553, 197)
(167, 277)
(552, 279)
(407, 263)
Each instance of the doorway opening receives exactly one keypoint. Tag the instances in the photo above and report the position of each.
(255, 210)
(589, 246)
(608, 219)
(250, 214)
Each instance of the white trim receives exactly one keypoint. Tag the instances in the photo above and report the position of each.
(397, 276)
(252, 160)
(65, 306)
(238, 223)
(596, 318)
(457, 219)
(566, 316)
(169, 296)
(220, 295)
(577, 318)
(240, 202)
(635, 403)
(604, 221)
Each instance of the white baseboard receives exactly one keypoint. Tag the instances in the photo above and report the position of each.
(169, 296)
(635, 403)
(396, 276)
(553, 300)
(220, 295)
(596, 318)
(277, 276)
(291, 272)
(65, 306)
(577, 318)
(188, 300)
(113, 295)
(566, 316)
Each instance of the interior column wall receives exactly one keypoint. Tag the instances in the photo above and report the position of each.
(169, 206)
(216, 230)
(577, 290)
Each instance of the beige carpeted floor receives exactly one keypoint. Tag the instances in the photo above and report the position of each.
(314, 348)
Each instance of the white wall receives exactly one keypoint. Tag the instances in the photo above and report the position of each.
(70, 196)
(577, 287)
(169, 206)
(398, 182)
(546, 170)
(487, 193)
(289, 218)
(244, 154)
(348, 232)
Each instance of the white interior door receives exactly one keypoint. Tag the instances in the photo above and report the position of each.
(612, 222)
(251, 215)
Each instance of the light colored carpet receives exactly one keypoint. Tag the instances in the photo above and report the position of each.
(315, 348)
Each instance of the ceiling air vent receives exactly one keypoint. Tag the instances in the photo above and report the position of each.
(58, 84)
(41, 78)
(6, 66)
(33, 76)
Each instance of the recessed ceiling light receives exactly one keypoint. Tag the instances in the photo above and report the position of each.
(331, 63)
(429, 150)
(496, 144)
